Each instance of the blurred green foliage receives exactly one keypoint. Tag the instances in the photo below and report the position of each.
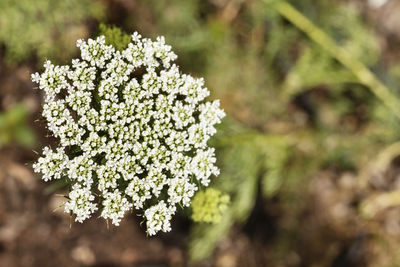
(46, 28)
(14, 127)
(293, 107)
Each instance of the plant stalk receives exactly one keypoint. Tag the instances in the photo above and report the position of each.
(363, 74)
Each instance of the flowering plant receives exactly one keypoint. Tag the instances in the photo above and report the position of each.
(133, 131)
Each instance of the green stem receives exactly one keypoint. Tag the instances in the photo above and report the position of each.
(363, 74)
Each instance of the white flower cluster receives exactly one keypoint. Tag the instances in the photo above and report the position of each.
(133, 131)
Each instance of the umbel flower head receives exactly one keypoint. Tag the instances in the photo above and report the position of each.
(132, 131)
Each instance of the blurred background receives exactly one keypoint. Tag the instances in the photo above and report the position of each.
(309, 151)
